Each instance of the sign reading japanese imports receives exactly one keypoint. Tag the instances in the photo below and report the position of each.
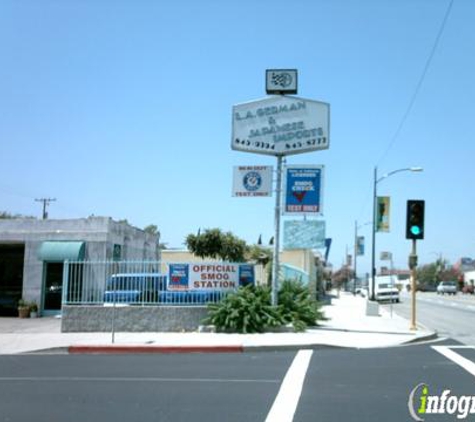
(281, 125)
(303, 189)
(209, 276)
(304, 234)
(252, 181)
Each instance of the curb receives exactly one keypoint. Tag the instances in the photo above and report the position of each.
(135, 349)
(433, 335)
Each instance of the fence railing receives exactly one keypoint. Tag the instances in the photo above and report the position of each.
(120, 283)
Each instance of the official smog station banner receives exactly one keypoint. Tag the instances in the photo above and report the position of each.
(209, 276)
(303, 190)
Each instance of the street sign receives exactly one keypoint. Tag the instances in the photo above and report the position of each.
(303, 189)
(252, 181)
(281, 126)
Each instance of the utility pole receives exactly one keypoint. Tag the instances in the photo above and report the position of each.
(46, 202)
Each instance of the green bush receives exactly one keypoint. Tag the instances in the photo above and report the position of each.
(249, 310)
(297, 306)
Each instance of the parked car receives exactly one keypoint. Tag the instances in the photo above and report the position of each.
(468, 289)
(134, 288)
(426, 287)
(449, 287)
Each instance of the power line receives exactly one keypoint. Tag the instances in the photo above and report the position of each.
(419, 84)
(46, 202)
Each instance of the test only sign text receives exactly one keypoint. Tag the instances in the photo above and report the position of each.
(252, 181)
(209, 276)
(303, 189)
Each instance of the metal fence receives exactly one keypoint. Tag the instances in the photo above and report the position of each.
(120, 283)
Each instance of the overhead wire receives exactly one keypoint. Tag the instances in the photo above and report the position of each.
(419, 83)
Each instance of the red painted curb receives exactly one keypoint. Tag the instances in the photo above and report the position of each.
(114, 349)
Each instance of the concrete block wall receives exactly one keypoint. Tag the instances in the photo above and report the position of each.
(132, 318)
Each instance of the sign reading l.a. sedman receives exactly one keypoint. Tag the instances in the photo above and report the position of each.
(282, 125)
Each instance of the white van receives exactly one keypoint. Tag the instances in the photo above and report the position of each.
(385, 288)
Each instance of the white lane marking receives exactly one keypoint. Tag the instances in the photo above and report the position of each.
(130, 379)
(465, 363)
(285, 404)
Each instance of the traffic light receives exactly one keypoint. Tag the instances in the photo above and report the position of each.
(415, 219)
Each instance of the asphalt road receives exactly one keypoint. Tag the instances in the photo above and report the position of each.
(321, 385)
(451, 316)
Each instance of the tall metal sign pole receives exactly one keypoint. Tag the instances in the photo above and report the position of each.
(280, 125)
(276, 260)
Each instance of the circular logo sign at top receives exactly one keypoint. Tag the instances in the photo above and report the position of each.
(283, 125)
(252, 181)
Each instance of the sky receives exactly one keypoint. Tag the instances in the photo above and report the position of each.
(124, 109)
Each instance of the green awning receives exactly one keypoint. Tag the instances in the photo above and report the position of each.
(61, 251)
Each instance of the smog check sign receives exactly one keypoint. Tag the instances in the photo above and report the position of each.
(281, 125)
(303, 189)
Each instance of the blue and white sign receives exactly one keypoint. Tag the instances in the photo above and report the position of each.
(178, 276)
(303, 189)
(252, 181)
(304, 234)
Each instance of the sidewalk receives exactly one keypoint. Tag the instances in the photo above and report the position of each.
(348, 326)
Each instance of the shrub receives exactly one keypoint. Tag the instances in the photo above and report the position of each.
(248, 310)
(297, 306)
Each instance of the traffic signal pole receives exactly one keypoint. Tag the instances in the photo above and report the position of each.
(413, 266)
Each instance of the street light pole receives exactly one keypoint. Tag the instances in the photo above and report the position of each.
(375, 199)
(373, 236)
(357, 251)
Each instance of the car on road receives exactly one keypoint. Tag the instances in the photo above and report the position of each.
(426, 287)
(449, 287)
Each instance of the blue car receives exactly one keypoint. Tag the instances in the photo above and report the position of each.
(134, 288)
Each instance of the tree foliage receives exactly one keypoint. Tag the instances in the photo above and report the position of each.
(437, 271)
(151, 228)
(213, 243)
(342, 276)
(5, 215)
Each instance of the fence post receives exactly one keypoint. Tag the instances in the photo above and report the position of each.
(64, 297)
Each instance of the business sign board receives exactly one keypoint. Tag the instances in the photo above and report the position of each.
(303, 190)
(178, 276)
(209, 276)
(304, 234)
(252, 181)
(282, 125)
(281, 81)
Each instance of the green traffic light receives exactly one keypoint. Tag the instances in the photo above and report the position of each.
(415, 230)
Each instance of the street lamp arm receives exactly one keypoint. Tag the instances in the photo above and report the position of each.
(398, 171)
